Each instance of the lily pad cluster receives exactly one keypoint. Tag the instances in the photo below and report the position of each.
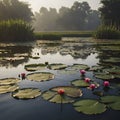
(68, 97)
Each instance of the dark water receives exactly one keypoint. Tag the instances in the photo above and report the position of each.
(38, 109)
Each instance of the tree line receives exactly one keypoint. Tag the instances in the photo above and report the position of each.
(79, 16)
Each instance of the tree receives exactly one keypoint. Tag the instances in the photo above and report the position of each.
(14, 9)
(110, 12)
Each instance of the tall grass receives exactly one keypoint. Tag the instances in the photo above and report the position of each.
(15, 30)
(107, 32)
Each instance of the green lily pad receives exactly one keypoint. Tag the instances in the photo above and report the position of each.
(8, 88)
(57, 66)
(112, 60)
(79, 67)
(68, 72)
(68, 97)
(80, 83)
(28, 93)
(89, 106)
(104, 76)
(69, 91)
(115, 106)
(40, 76)
(9, 81)
(96, 68)
(35, 67)
(112, 101)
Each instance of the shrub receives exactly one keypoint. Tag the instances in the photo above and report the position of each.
(107, 32)
(15, 30)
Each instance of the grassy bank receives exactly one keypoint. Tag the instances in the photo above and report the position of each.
(59, 35)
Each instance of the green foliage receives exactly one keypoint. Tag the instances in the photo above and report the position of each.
(15, 30)
(15, 9)
(107, 32)
(109, 12)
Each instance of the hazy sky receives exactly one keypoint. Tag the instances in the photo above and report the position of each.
(37, 4)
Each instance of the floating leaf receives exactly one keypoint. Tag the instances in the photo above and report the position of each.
(96, 68)
(79, 67)
(67, 72)
(104, 76)
(68, 97)
(112, 60)
(8, 88)
(112, 101)
(69, 91)
(35, 67)
(9, 81)
(40, 76)
(28, 93)
(80, 83)
(89, 106)
(57, 66)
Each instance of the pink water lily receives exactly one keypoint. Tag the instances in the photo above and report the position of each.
(87, 80)
(106, 84)
(92, 86)
(61, 91)
(82, 72)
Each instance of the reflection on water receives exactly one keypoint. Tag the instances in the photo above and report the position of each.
(14, 57)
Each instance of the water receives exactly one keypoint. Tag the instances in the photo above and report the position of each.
(68, 53)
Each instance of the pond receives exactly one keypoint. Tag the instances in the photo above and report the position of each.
(42, 68)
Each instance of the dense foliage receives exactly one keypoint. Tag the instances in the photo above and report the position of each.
(14, 9)
(107, 32)
(15, 30)
(79, 17)
(110, 12)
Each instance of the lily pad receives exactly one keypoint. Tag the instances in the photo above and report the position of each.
(69, 91)
(8, 88)
(112, 101)
(40, 76)
(28, 93)
(98, 93)
(79, 67)
(67, 72)
(57, 66)
(35, 67)
(89, 106)
(104, 76)
(112, 60)
(80, 83)
(68, 97)
(96, 68)
(9, 81)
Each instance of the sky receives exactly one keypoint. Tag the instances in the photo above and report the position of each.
(37, 4)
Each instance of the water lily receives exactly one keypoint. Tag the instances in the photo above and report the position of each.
(82, 72)
(61, 91)
(87, 80)
(92, 86)
(106, 84)
(23, 75)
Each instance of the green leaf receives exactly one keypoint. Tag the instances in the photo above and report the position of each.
(57, 66)
(115, 106)
(28, 93)
(79, 67)
(8, 88)
(80, 83)
(89, 106)
(9, 81)
(40, 76)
